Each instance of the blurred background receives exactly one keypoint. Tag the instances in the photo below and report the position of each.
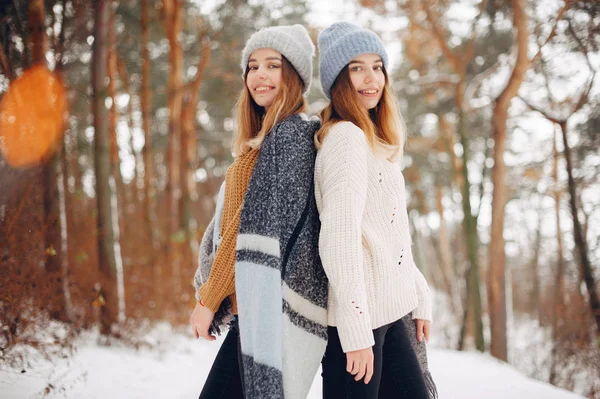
(115, 131)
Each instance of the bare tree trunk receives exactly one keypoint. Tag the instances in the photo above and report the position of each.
(74, 167)
(454, 160)
(62, 178)
(458, 63)
(586, 269)
(38, 41)
(52, 237)
(173, 20)
(64, 234)
(116, 185)
(534, 298)
(557, 311)
(447, 267)
(186, 219)
(149, 205)
(150, 195)
(496, 274)
(497, 257)
(113, 112)
(586, 218)
(422, 258)
(132, 189)
(119, 272)
(38, 44)
(106, 254)
(189, 158)
(473, 306)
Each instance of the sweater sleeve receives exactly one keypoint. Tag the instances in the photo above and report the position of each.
(343, 178)
(221, 280)
(424, 308)
(206, 252)
(205, 258)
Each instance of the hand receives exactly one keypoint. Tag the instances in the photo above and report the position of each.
(360, 364)
(423, 329)
(200, 320)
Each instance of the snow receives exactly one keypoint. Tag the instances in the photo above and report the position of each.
(174, 365)
(474, 375)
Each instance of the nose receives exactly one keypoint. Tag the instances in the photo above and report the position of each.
(369, 75)
(261, 73)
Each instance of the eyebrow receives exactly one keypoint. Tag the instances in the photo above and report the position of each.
(267, 59)
(362, 62)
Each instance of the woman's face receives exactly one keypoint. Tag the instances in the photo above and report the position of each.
(264, 76)
(366, 74)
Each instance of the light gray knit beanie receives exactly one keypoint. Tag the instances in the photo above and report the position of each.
(339, 44)
(292, 41)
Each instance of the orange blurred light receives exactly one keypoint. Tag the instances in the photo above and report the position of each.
(32, 115)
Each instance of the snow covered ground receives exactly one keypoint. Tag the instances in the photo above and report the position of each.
(177, 366)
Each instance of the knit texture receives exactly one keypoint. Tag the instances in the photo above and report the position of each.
(421, 352)
(280, 284)
(292, 41)
(221, 280)
(303, 296)
(206, 256)
(341, 43)
(224, 316)
(365, 243)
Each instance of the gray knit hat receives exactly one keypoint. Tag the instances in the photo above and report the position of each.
(339, 44)
(292, 41)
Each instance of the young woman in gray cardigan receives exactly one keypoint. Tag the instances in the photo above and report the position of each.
(375, 288)
(278, 337)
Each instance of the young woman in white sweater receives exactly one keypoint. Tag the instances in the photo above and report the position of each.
(365, 243)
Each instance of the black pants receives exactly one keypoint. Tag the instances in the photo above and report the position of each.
(396, 372)
(224, 380)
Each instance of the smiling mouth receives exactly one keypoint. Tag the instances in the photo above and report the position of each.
(369, 93)
(263, 89)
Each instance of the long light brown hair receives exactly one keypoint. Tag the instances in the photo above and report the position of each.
(383, 125)
(254, 123)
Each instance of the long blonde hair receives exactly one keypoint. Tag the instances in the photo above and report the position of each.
(383, 125)
(254, 123)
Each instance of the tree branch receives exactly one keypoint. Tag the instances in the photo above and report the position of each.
(484, 172)
(522, 63)
(194, 85)
(441, 80)
(580, 43)
(552, 32)
(546, 80)
(470, 49)
(544, 113)
(476, 82)
(457, 62)
(439, 36)
(583, 99)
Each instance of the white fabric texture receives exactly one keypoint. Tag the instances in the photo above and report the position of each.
(365, 243)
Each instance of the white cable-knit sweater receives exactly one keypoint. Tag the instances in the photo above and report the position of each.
(365, 243)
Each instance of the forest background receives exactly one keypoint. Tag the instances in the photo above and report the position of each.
(502, 163)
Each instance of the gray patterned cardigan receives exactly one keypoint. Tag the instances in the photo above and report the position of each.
(281, 286)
